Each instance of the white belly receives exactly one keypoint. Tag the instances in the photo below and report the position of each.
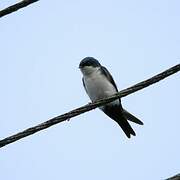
(98, 87)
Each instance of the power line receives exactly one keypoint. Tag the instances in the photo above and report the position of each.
(16, 7)
(89, 106)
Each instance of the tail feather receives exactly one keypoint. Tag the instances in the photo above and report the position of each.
(117, 115)
(131, 117)
(123, 123)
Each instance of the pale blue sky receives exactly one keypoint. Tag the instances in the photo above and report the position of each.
(41, 47)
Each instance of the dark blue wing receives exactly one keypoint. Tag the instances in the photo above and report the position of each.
(108, 75)
(84, 85)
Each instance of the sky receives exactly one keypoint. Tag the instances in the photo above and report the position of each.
(41, 48)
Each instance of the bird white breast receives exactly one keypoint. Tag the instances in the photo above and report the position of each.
(98, 86)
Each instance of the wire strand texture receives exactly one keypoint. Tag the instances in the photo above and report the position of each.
(89, 106)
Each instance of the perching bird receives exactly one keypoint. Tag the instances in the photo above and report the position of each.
(99, 84)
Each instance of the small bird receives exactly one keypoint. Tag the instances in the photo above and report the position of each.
(99, 84)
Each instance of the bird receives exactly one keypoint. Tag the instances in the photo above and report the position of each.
(99, 84)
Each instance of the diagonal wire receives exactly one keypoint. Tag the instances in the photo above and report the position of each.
(176, 177)
(89, 106)
(16, 7)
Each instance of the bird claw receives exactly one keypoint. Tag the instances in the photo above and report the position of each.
(68, 119)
